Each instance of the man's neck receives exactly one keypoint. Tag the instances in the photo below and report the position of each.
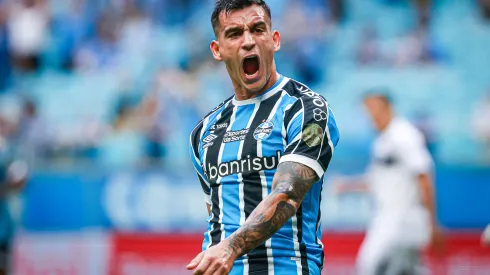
(386, 124)
(243, 94)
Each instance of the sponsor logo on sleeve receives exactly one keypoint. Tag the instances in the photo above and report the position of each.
(219, 126)
(319, 115)
(313, 135)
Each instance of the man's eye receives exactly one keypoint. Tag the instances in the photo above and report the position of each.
(259, 30)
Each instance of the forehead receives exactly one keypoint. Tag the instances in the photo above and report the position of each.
(245, 16)
(375, 101)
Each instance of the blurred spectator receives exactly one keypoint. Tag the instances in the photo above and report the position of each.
(71, 28)
(6, 128)
(368, 48)
(412, 48)
(122, 146)
(136, 35)
(4, 56)
(101, 51)
(481, 124)
(12, 177)
(172, 90)
(418, 47)
(174, 12)
(153, 114)
(423, 121)
(28, 29)
(485, 9)
(423, 11)
(32, 134)
(337, 10)
(304, 42)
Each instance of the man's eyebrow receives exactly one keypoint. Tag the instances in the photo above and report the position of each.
(232, 29)
(258, 24)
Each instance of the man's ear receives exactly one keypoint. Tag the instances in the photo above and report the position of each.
(215, 50)
(276, 37)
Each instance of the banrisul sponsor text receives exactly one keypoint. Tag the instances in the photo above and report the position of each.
(243, 166)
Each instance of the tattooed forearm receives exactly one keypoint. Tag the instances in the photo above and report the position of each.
(291, 183)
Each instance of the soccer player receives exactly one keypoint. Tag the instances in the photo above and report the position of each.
(485, 237)
(260, 156)
(400, 180)
(12, 177)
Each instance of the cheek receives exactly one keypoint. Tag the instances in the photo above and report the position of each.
(228, 58)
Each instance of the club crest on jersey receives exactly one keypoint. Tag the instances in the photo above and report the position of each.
(264, 130)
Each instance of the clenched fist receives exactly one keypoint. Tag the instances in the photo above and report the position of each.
(217, 260)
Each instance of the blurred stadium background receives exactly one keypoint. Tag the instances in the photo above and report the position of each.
(99, 97)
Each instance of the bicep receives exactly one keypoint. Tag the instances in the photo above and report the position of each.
(293, 180)
(425, 182)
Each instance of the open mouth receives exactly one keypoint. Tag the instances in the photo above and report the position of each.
(251, 65)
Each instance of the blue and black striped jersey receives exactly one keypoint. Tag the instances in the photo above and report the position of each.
(236, 149)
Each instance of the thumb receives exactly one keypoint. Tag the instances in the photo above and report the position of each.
(193, 264)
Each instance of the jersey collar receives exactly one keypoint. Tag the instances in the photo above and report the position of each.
(281, 81)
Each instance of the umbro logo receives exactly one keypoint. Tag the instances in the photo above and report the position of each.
(209, 138)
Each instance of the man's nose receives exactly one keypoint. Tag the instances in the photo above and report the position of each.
(248, 42)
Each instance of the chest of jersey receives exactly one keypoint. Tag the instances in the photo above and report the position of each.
(242, 143)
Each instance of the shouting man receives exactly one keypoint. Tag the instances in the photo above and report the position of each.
(261, 155)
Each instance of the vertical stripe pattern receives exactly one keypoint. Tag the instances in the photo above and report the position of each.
(241, 185)
(213, 155)
(253, 185)
(302, 246)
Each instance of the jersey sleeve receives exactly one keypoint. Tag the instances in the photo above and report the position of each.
(311, 133)
(194, 154)
(415, 154)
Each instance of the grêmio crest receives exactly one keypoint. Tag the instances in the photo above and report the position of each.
(264, 130)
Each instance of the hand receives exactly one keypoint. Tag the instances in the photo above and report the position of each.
(437, 240)
(215, 260)
(485, 237)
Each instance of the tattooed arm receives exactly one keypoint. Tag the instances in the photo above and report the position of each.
(291, 183)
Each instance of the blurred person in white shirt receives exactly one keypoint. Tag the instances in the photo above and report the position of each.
(28, 28)
(485, 237)
(481, 124)
(400, 180)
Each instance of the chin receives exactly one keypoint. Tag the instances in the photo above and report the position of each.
(256, 86)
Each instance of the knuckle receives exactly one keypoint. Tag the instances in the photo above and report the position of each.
(223, 269)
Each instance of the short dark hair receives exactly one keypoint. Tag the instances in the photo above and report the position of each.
(381, 93)
(234, 5)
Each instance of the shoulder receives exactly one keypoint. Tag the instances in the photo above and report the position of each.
(305, 98)
(195, 134)
(300, 91)
(406, 134)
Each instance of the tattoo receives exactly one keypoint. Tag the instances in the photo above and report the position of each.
(291, 183)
